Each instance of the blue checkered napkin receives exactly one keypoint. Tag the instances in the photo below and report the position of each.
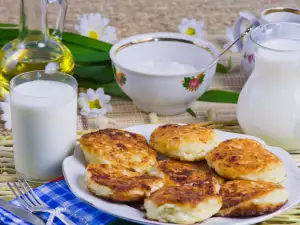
(57, 194)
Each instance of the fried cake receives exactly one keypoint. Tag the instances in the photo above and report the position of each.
(182, 204)
(118, 147)
(245, 159)
(184, 142)
(120, 184)
(187, 174)
(243, 198)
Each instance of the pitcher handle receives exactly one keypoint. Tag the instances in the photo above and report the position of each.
(237, 27)
(59, 27)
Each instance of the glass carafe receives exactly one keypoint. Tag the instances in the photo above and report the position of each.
(35, 47)
(269, 104)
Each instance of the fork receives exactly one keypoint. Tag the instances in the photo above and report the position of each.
(28, 199)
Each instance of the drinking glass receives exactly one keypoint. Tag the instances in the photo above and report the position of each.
(44, 119)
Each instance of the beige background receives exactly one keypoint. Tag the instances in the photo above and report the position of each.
(140, 16)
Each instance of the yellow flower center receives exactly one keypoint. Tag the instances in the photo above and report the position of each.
(95, 104)
(93, 34)
(191, 31)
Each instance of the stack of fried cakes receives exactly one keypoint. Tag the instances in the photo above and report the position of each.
(201, 178)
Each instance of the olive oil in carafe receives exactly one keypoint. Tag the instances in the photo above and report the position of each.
(20, 57)
(35, 47)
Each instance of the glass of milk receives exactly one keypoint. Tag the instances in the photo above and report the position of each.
(44, 120)
(269, 103)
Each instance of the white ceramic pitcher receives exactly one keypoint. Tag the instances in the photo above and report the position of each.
(269, 103)
(270, 15)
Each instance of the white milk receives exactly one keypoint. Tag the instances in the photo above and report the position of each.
(44, 127)
(269, 104)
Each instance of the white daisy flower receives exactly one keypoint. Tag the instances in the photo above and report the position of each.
(6, 116)
(51, 68)
(230, 38)
(241, 24)
(94, 103)
(192, 27)
(95, 26)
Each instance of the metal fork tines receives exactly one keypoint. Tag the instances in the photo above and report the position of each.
(27, 197)
(29, 200)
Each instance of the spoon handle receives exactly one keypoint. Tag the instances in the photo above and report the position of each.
(226, 49)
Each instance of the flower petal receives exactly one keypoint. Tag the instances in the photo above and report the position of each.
(100, 91)
(182, 28)
(91, 95)
(108, 107)
(93, 114)
(51, 68)
(102, 111)
(230, 39)
(7, 125)
(184, 21)
(5, 107)
(105, 22)
(7, 98)
(95, 110)
(110, 30)
(105, 99)
(81, 94)
(86, 109)
(4, 117)
(83, 103)
(84, 112)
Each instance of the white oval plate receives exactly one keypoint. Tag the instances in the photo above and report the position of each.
(74, 172)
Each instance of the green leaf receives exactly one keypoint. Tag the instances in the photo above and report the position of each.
(114, 90)
(86, 83)
(224, 69)
(8, 34)
(8, 25)
(85, 41)
(186, 82)
(111, 88)
(101, 74)
(229, 64)
(219, 96)
(90, 59)
(3, 42)
(191, 112)
(221, 68)
(87, 56)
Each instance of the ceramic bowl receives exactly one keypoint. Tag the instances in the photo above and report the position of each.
(163, 92)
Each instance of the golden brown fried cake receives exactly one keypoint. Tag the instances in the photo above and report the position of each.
(120, 184)
(118, 147)
(243, 198)
(187, 142)
(184, 205)
(188, 174)
(204, 167)
(245, 159)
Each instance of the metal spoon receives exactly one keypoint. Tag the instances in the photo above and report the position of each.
(226, 49)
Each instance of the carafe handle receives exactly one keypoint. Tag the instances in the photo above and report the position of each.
(237, 27)
(59, 27)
